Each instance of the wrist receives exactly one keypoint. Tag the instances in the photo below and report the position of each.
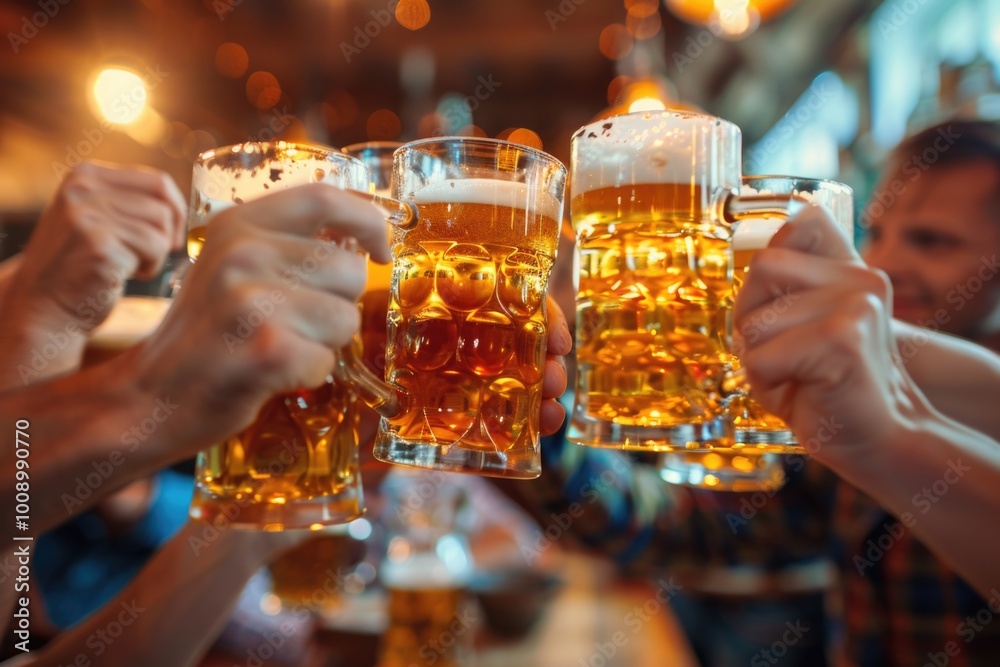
(875, 465)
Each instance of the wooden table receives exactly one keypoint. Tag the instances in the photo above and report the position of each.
(593, 620)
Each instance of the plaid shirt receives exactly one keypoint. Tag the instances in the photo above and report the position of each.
(902, 605)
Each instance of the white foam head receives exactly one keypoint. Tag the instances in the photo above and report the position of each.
(235, 174)
(655, 147)
(836, 198)
(205, 209)
(131, 320)
(425, 571)
(755, 233)
(491, 192)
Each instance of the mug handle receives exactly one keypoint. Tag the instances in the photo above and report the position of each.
(735, 208)
(349, 366)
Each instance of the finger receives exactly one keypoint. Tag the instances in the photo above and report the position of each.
(554, 379)
(145, 226)
(782, 274)
(552, 416)
(823, 352)
(814, 231)
(152, 182)
(314, 315)
(788, 311)
(310, 209)
(560, 341)
(321, 264)
(275, 357)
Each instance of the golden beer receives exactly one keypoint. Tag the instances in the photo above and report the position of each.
(429, 620)
(745, 414)
(753, 426)
(724, 470)
(307, 573)
(297, 465)
(301, 447)
(653, 304)
(467, 324)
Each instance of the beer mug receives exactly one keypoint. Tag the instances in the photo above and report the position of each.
(426, 573)
(753, 426)
(724, 470)
(654, 198)
(296, 466)
(310, 572)
(467, 329)
(377, 156)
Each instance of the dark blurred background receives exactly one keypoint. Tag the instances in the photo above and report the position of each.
(820, 88)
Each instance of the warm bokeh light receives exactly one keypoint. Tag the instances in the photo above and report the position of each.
(525, 137)
(413, 14)
(429, 125)
(120, 95)
(270, 604)
(642, 10)
(712, 461)
(744, 463)
(383, 125)
(263, 90)
(643, 21)
(617, 85)
(615, 41)
(735, 18)
(231, 60)
(646, 104)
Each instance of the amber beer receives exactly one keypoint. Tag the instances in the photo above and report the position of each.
(302, 446)
(724, 470)
(653, 304)
(306, 574)
(429, 622)
(745, 414)
(297, 465)
(467, 320)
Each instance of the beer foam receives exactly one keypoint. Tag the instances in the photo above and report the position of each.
(205, 208)
(131, 320)
(425, 571)
(491, 192)
(755, 233)
(654, 148)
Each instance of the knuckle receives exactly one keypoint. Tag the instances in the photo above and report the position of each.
(345, 318)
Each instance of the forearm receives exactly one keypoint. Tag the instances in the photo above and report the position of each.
(959, 378)
(72, 441)
(176, 607)
(941, 479)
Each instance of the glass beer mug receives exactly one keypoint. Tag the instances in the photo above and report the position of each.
(654, 200)
(755, 427)
(296, 466)
(426, 572)
(467, 328)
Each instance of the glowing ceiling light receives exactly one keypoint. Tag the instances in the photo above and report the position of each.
(120, 95)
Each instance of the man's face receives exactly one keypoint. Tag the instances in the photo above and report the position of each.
(939, 243)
